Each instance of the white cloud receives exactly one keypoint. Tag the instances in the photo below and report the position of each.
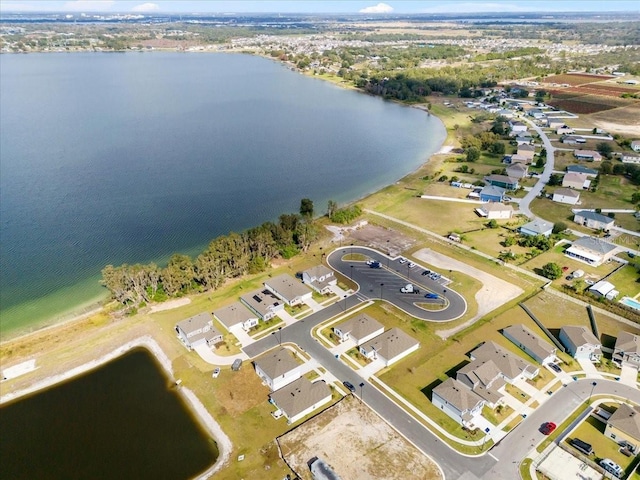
(379, 8)
(479, 7)
(146, 7)
(88, 5)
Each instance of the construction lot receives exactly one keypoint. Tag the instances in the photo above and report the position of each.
(357, 444)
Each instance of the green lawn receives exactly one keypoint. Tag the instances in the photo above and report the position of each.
(626, 281)
(516, 393)
(498, 415)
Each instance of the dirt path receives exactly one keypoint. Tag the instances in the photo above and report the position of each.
(494, 292)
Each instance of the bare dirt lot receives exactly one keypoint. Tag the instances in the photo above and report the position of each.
(383, 239)
(357, 444)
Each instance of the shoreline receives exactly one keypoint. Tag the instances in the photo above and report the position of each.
(193, 402)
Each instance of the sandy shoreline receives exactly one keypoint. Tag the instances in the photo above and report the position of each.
(223, 442)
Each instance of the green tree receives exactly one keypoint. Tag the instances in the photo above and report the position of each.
(551, 271)
(306, 208)
(555, 179)
(606, 168)
(497, 148)
(635, 198)
(473, 154)
(605, 149)
(332, 206)
(492, 223)
(559, 227)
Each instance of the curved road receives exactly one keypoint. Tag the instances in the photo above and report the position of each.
(385, 283)
(546, 174)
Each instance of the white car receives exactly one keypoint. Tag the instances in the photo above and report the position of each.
(411, 264)
(216, 372)
(402, 260)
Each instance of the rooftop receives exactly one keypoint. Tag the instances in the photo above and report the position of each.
(510, 365)
(233, 314)
(538, 226)
(360, 326)
(575, 177)
(287, 286)
(496, 207)
(530, 340)
(527, 148)
(299, 395)
(626, 419)
(195, 323)
(261, 300)
(628, 342)
(492, 190)
(580, 335)
(457, 394)
(594, 245)
(581, 169)
(277, 363)
(391, 343)
(596, 217)
(501, 178)
(567, 192)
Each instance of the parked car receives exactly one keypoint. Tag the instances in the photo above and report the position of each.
(411, 264)
(216, 372)
(582, 446)
(374, 264)
(432, 295)
(611, 467)
(402, 260)
(589, 282)
(425, 273)
(409, 288)
(349, 386)
(548, 428)
(555, 367)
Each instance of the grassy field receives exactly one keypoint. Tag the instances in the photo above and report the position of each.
(626, 280)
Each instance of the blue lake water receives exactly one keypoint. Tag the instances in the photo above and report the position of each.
(113, 158)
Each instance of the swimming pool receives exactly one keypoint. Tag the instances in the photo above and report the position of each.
(630, 302)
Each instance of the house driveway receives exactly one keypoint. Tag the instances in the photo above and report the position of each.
(340, 293)
(629, 374)
(589, 369)
(483, 424)
(313, 305)
(286, 317)
(208, 356)
(371, 369)
(243, 337)
(514, 403)
(526, 388)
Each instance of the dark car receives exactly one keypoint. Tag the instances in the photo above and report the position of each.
(432, 295)
(548, 428)
(349, 386)
(425, 273)
(555, 367)
(374, 264)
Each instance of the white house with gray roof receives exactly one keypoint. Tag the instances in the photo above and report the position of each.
(389, 347)
(263, 303)
(300, 398)
(198, 330)
(623, 426)
(485, 380)
(627, 349)
(277, 368)
(593, 220)
(457, 401)
(537, 348)
(593, 251)
(360, 329)
(236, 314)
(288, 289)
(566, 195)
(320, 278)
(580, 343)
(537, 227)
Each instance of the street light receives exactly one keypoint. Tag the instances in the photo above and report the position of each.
(381, 285)
(444, 295)
(345, 303)
(279, 332)
(361, 385)
(593, 385)
(351, 275)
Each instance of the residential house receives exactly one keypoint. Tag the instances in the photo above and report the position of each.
(581, 344)
(573, 140)
(495, 210)
(198, 330)
(360, 329)
(236, 314)
(517, 170)
(300, 398)
(589, 172)
(536, 113)
(537, 348)
(623, 426)
(523, 138)
(576, 180)
(589, 155)
(604, 289)
(630, 158)
(277, 368)
(564, 130)
(537, 227)
(526, 151)
(554, 123)
(457, 401)
(390, 346)
(485, 380)
(627, 349)
(593, 251)
(263, 303)
(635, 145)
(491, 193)
(593, 220)
(505, 113)
(288, 289)
(502, 181)
(320, 278)
(512, 366)
(566, 195)
(517, 126)
(523, 159)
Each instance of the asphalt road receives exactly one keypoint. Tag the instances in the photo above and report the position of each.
(385, 283)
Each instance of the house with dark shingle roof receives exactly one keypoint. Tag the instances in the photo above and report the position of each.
(589, 172)
(301, 397)
(623, 426)
(457, 401)
(491, 193)
(277, 368)
(263, 303)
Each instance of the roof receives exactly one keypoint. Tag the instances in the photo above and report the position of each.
(277, 363)
(287, 287)
(587, 153)
(457, 394)
(574, 177)
(517, 166)
(538, 226)
(261, 300)
(510, 365)
(486, 379)
(594, 245)
(596, 217)
(602, 287)
(234, 314)
(532, 342)
(527, 148)
(628, 343)
(391, 343)
(299, 395)
(626, 419)
(195, 323)
(496, 207)
(567, 192)
(493, 191)
(318, 271)
(581, 169)
(580, 335)
(501, 178)
(361, 326)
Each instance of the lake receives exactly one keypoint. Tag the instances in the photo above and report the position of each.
(109, 158)
(122, 420)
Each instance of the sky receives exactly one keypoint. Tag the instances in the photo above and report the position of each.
(318, 6)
